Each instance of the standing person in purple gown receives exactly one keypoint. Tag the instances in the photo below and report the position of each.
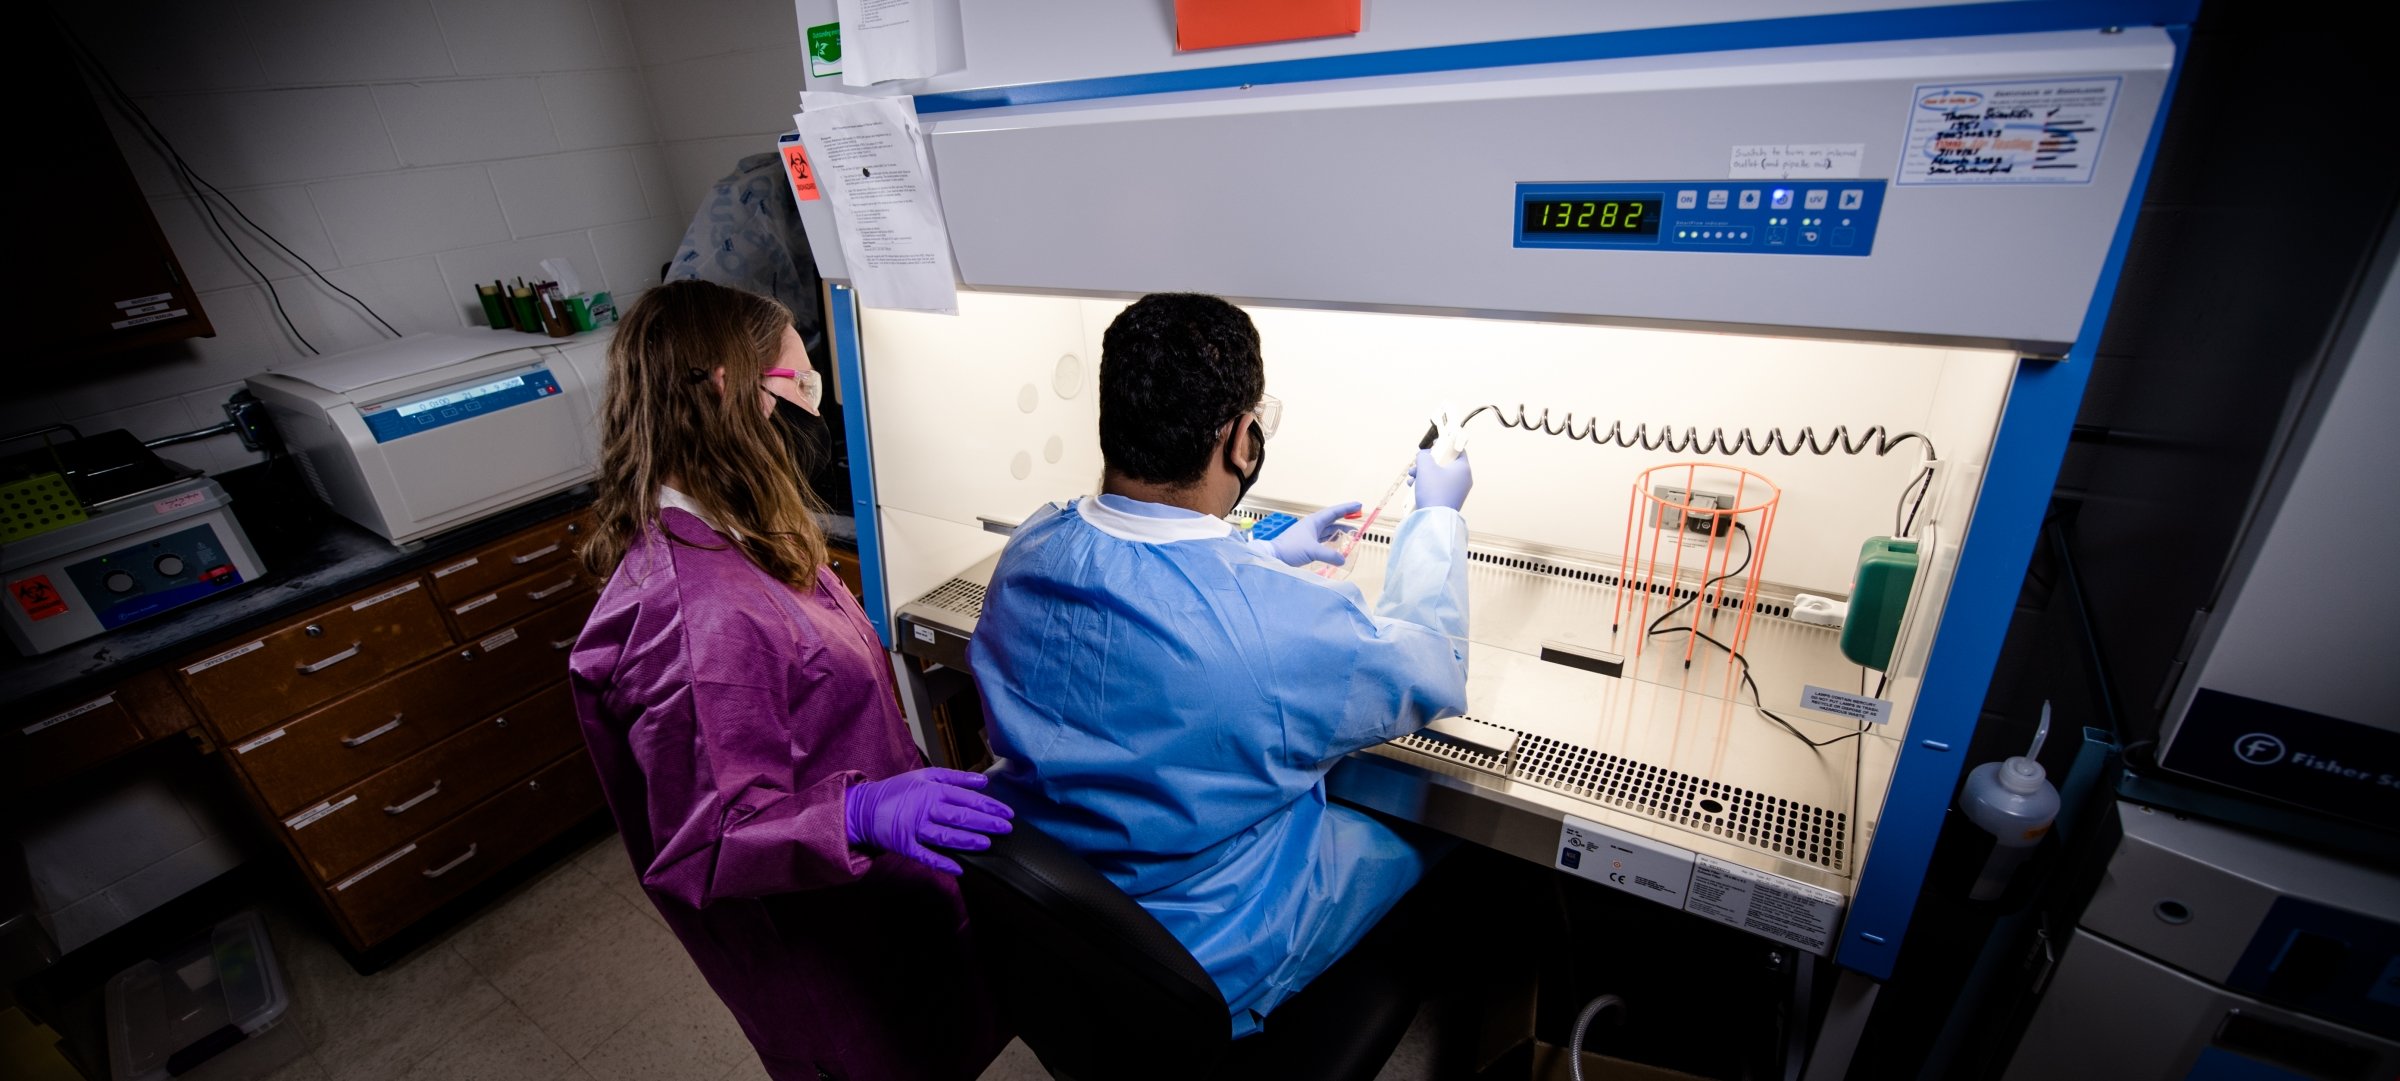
(742, 717)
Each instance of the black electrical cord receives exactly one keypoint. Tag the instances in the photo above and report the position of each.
(1878, 438)
(1757, 700)
(133, 111)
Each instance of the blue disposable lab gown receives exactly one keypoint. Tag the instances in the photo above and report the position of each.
(1166, 700)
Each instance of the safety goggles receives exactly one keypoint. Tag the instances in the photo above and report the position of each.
(1269, 413)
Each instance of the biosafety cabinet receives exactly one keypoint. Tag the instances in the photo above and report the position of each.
(1769, 332)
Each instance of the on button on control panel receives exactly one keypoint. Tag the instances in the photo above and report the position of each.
(1816, 200)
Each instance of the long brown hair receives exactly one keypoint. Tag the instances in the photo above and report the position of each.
(664, 415)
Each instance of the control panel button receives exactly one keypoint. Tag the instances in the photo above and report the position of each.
(1687, 200)
(1810, 235)
(1780, 199)
(1717, 199)
(1853, 199)
(169, 565)
(1843, 238)
(1750, 199)
(1816, 200)
(118, 582)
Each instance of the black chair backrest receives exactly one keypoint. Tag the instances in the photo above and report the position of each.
(1095, 986)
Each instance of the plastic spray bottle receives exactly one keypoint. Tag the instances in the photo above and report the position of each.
(2015, 803)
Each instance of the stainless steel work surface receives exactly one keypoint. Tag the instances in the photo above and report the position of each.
(1681, 755)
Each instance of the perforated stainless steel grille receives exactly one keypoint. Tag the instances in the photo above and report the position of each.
(957, 595)
(1787, 828)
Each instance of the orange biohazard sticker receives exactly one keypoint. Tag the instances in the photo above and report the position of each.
(39, 599)
(804, 180)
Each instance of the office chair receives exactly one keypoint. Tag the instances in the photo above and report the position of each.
(1100, 991)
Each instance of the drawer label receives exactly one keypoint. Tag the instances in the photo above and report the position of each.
(454, 568)
(496, 641)
(475, 604)
(302, 820)
(371, 868)
(924, 633)
(1765, 904)
(87, 707)
(259, 742)
(212, 662)
(383, 596)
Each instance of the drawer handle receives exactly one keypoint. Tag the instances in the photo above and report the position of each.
(561, 643)
(553, 591)
(537, 553)
(437, 872)
(319, 666)
(403, 806)
(361, 738)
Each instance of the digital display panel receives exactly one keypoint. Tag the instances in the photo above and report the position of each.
(1634, 216)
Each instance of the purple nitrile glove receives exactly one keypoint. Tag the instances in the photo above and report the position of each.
(1442, 484)
(930, 806)
(1305, 542)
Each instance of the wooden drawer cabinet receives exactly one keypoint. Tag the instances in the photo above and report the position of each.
(845, 567)
(544, 548)
(315, 659)
(344, 831)
(52, 739)
(488, 612)
(407, 882)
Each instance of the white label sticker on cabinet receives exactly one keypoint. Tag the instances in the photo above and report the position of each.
(454, 568)
(1623, 861)
(158, 317)
(212, 662)
(87, 707)
(2023, 131)
(383, 596)
(1765, 904)
(475, 604)
(1798, 161)
(496, 641)
(371, 868)
(259, 742)
(1844, 704)
(135, 302)
(302, 820)
(925, 634)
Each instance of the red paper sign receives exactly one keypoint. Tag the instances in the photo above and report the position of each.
(804, 180)
(36, 596)
(1214, 24)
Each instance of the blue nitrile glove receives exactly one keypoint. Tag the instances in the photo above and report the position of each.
(1304, 543)
(930, 806)
(1441, 484)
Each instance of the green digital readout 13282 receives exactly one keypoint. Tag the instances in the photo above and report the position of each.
(1611, 217)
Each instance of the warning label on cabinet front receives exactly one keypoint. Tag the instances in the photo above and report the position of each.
(1624, 861)
(1764, 904)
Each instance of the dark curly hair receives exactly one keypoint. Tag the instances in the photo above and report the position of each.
(1174, 367)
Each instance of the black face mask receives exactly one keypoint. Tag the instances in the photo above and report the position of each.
(1258, 437)
(805, 434)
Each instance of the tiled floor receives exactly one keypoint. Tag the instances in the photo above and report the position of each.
(572, 977)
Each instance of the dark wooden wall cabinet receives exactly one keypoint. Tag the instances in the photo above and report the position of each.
(96, 273)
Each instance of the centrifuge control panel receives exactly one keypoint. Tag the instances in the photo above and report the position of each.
(1757, 217)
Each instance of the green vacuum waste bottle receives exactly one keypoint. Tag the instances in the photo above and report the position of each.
(1887, 569)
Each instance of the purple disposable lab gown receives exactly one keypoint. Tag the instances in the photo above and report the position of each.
(728, 713)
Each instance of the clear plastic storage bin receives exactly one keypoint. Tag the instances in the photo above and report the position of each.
(168, 1015)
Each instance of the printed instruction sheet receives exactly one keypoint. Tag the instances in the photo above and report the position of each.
(869, 162)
